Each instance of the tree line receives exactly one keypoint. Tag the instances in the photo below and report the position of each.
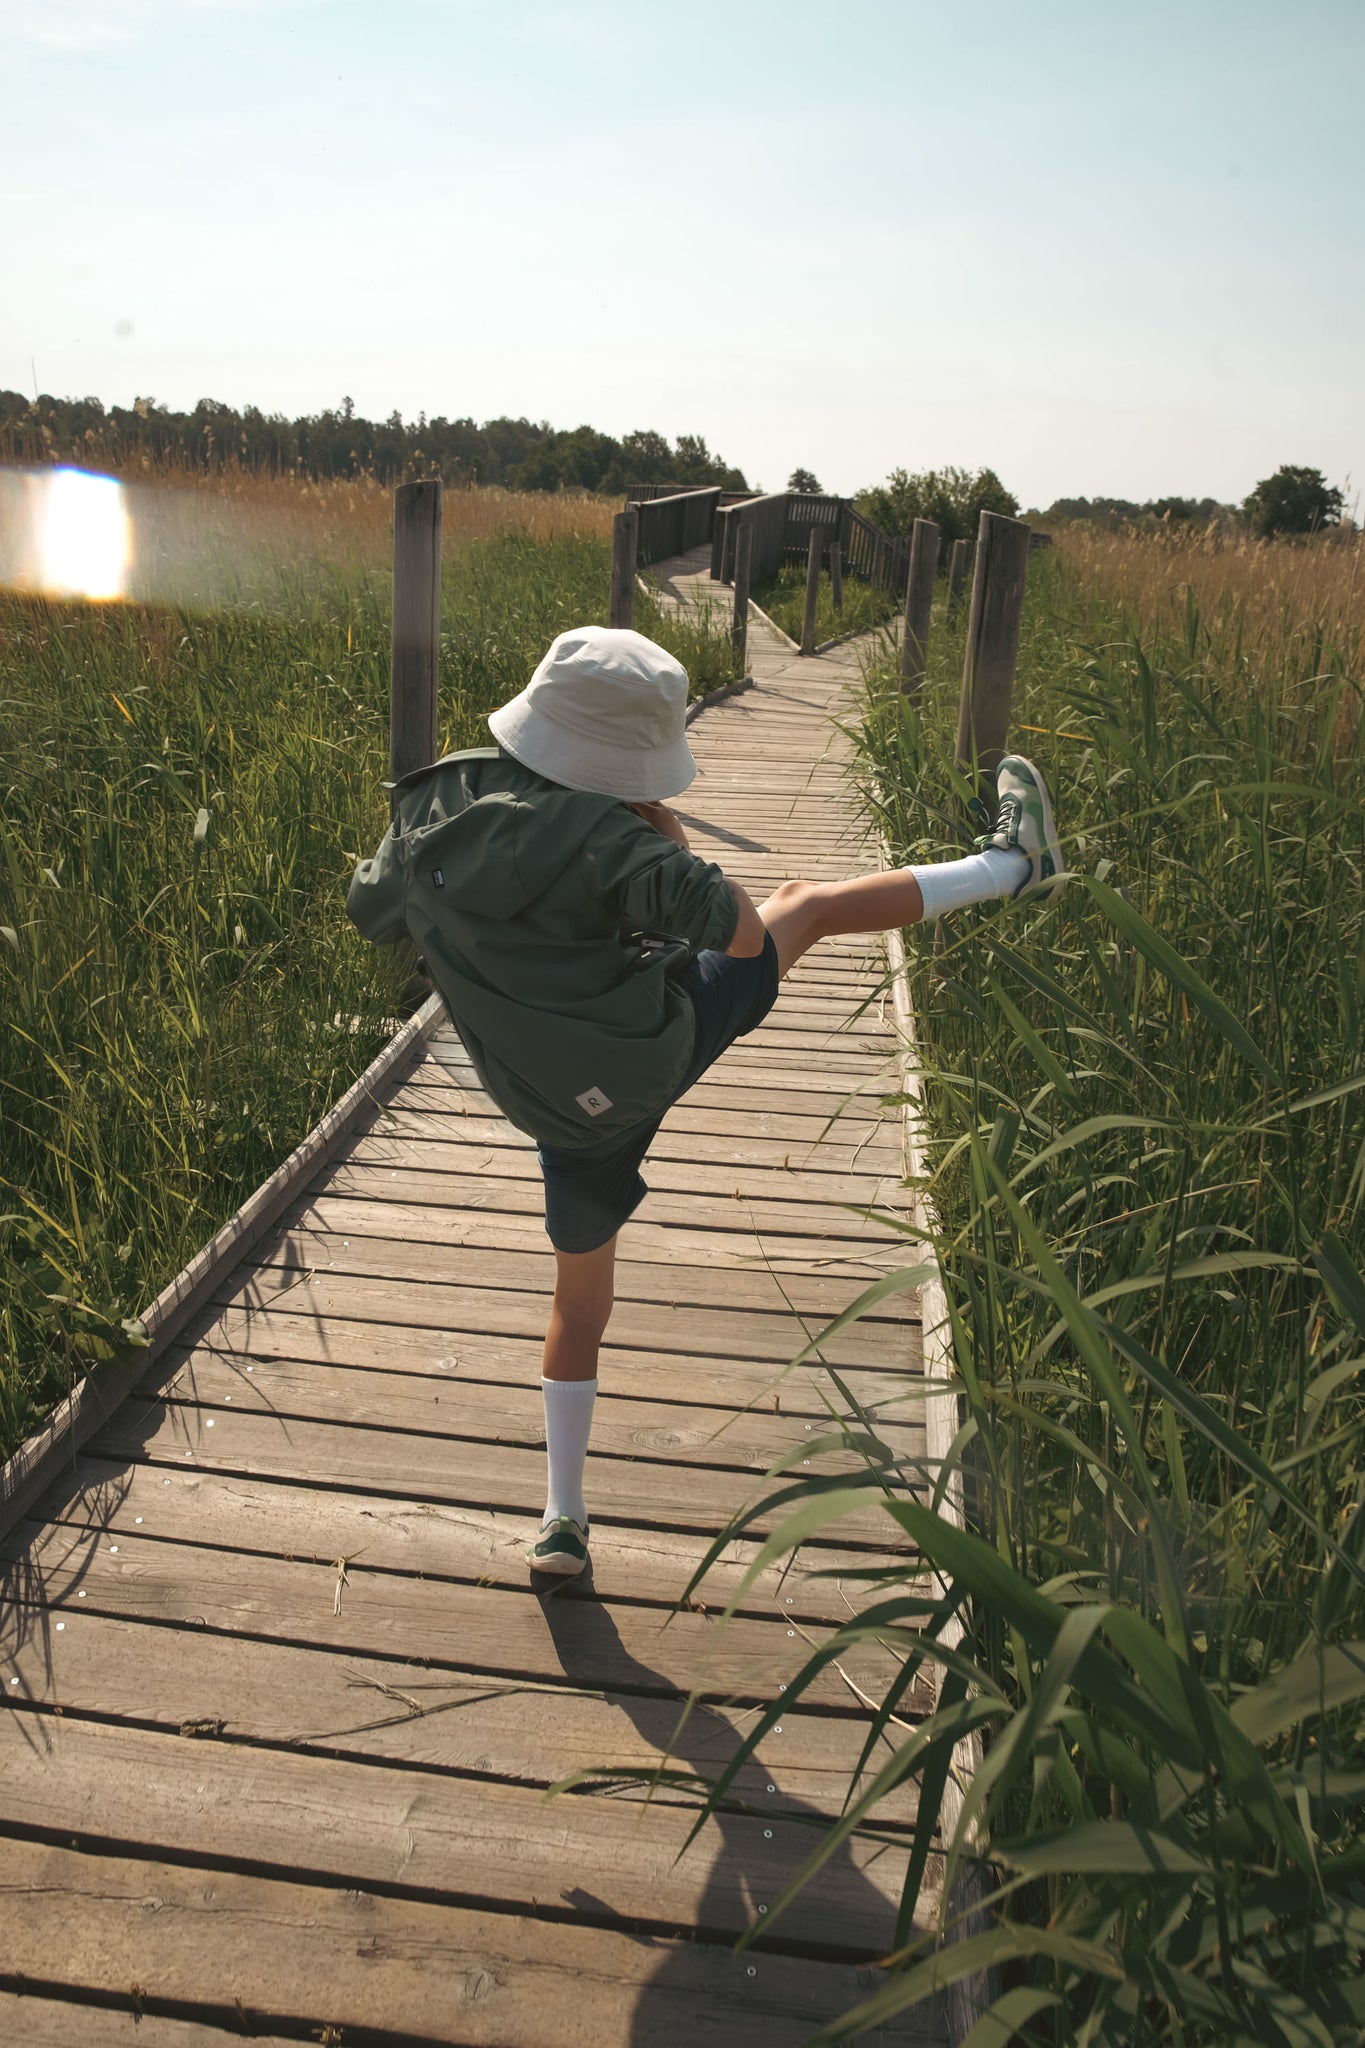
(1295, 500)
(531, 455)
(520, 453)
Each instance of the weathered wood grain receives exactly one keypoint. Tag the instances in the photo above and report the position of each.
(451, 1625)
(476, 1411)
(409, 1969)
(404, 1463)
(42, 2018)
(468, 1841)
(424, 1539)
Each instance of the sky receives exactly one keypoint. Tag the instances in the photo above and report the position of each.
(1101, 249)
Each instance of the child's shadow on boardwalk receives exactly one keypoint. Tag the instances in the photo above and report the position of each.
(695, 1991)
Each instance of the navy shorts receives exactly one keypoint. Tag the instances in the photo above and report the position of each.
(591, 1190)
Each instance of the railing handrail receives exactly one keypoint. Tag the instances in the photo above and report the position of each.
(658, 494)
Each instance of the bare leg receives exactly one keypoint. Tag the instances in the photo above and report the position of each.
(799, 914)
(579, 1313)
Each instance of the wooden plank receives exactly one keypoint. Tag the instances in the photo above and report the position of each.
(467, 1841)
(467, 1410)
(408, 1969)
(791, 1091)
(403, 1464)
(833, 1155)
(840, 1068)
(825, 1097)
(441, 1217)
(425, 1539)
(723, 1385)
(529, 1270)
(249, 1686)
(446, 1624)
(660, 1326)
(43, 2018)
(741, 1182)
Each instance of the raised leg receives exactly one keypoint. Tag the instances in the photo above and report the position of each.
(799, 914)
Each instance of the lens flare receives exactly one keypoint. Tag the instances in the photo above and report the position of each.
(65, 533)
(86, 544)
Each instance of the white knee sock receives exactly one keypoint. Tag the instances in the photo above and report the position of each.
(978, 879)
(568, 1424)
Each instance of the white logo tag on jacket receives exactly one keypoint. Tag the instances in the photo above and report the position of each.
(594, 1101)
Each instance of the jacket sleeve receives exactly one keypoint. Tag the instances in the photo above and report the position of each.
(375, 900)
(652, 885)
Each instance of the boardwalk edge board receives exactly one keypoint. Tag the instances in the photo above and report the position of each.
(756, 611)
(694, 711)
(966, 2001)
(89, 1406)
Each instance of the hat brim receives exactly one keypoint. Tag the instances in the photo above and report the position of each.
(637, 775)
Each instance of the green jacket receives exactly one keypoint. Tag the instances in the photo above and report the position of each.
(556, 925)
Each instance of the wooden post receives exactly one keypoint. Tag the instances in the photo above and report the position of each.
(957, 574)
(625, 544)
(992, 641)
(739, 630)
(812, 592)
(836, 575)
(416, 625)
(919, 605)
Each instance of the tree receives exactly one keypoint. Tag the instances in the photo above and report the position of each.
(1294, 500)
(805, 481)
(953, 498)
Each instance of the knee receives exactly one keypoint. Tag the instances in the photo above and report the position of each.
(796, 898)
(803, 902)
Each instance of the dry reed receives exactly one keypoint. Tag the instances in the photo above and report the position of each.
(1283, 592)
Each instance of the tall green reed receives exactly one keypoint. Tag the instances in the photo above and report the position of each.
(783, 598)
(182, 797)
(1148, 1150)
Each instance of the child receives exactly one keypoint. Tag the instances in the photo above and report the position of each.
(595, 968)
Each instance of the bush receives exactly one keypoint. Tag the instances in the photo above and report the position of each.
(953, 498)
(1294, 500)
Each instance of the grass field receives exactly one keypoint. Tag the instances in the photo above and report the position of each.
(185, 789)
(1148, 1135)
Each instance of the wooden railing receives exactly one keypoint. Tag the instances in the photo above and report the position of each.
(865, 552)
(642, 494)
(675, 522)
(873, 555)
(766, 522)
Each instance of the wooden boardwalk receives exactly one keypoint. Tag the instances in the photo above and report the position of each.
(284, 1706)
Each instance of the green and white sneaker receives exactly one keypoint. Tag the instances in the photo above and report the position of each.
(562, 1549)
(1024, 824)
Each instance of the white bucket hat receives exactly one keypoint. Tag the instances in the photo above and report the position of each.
(605, 711)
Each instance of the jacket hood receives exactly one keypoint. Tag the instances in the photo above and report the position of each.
(469, 817)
